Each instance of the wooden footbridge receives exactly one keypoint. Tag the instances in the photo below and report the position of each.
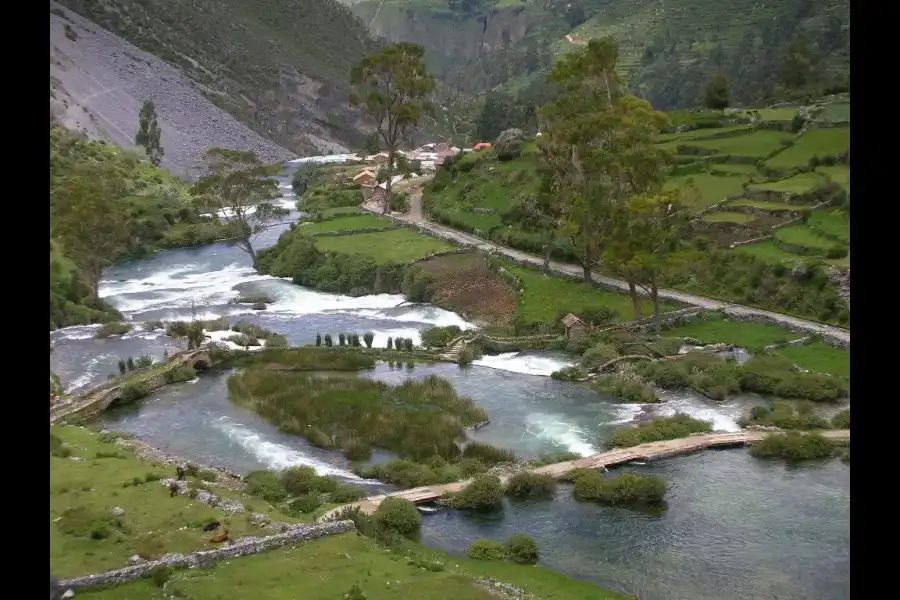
(642, 453)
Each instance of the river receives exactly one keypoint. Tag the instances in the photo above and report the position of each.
(736, 528)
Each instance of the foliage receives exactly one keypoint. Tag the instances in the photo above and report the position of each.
(148, 135)
(266, 485)
(627, 387)
(439, 337)
(597, 355)
(522, 549)
(528, 485)
(238, 189)
(111, 329)
(486, 550)
(416, 419)
(399, 515)
(392, 88)
(772, 374)
(659, 429)
(717, 94)
(841, 420)
(409, 474)
(306, 176)
(787, 415)
(483, 492)
(487, 454)
(628, 489)
(793, 446)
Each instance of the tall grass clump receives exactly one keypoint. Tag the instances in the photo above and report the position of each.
(310, 359)
(483, 493)
(793, 446)
(416, 419)
(785, 415)
(111, 329)
(399, 515)
(659, 429)
(841, 420)
(628, 489)
(530, 485)
(486, 550)
(487, 454)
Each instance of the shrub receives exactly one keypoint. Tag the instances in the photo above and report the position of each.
(659, 429)
(408, 344)
(368, 338)
(84, 522)
(408, 474)
(577, 473)
(597, 355)
(357, 450)
(793, 446)
(487, 454)
(177, 329)
(152, 325)
(296, 480)
(180, 373)
(276, 340)
(626, 489)
(486, 550)
(328, 341)
(318, 339)
(220, 324)
(773, 374)
(129, 364)
(110, 329)
(266, 485)
(58, 449)
(207, 475)
(784, 415)
(554, 457)
(143, 361)
(530, 485)
(390, 343)
(123, 366)
(627, 387)
(398, 515)
(345, 493)
(243, 340)
(134, 390)
(342, 339)
(841, 420)
(438, 337)
(305, 504)
(150, 547)
(522, 549)
(484, 492)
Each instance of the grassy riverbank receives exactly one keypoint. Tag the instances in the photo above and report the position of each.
(91, 476)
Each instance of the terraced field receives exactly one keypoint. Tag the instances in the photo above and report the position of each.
(816, 141)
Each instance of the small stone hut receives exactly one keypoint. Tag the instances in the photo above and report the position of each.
(365, 178)
(575, 327)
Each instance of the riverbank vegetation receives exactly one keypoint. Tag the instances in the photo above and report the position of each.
(657, 430)
(793, 446)
(416, 419)
(627, 489)
(108, 204)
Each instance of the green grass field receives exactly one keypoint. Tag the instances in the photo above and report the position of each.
(832, 223)
(768, 252)
(343, 210)
(325, 569)
(777, 114)
(727, 217)
(546, 297)
(801, 183)
(108, 476)
(734, 169)
(835, 113)
(703, 189)
(701, 133)
(348, 223)
(840, 174)
(716, 330)
(757, 144)
(817, 141)
(394, 246)
(804, 237)
(820, 357)
(773, 207)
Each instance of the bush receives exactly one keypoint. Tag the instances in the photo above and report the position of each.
(356, 451)
(784, 415)
(484, 492)
(161, 576)
(305, 504)
(486, 550)
(487, 454)
(150, 547)
(522, 549)
(345, 493)
(277, 341)
(180, 373)
(84, 522)
(841, 420)
(368, 338)
(530, 485)
(439, 337)
(298, 480)
(110, 329)
(775, 375)
(627, 387)
(266, 485)
(398, 515)
(318, 339)
(328, 341)
(659, 429)
(626, 489)
(597, 355)
(177, 329)
(58, 449)
(793, 446)
(408, 474)
(135, 390)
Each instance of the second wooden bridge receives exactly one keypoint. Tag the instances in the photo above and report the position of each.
(643, 452)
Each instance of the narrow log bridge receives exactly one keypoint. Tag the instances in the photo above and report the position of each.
(454, 349)
(113, 393)
(603, 460)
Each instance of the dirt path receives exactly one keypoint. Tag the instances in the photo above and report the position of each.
(416, 217)
(642, 452)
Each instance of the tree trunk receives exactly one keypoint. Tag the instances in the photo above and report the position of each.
(586, 268)
(548, 250)
(387, 186)
(95, 275)
(636, 301)
(657, 310)
(247, 247)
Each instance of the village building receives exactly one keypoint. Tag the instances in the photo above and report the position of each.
(365, 178)
(575, 327)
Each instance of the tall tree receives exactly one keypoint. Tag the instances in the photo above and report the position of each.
(86, 214)
(393, 88)
(148, 135)
(646, 242)
(239, 189)
(717, 93)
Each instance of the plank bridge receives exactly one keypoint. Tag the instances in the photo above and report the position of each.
(611, 458)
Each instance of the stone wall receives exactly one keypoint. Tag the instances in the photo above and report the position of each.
(207, 559)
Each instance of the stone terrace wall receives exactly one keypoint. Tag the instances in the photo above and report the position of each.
(207, 559)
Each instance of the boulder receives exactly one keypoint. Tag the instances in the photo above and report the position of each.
(509, 144)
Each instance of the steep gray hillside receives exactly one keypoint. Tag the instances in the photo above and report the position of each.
(98, 82)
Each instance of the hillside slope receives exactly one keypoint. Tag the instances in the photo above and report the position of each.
(98, 83)
(279, 66)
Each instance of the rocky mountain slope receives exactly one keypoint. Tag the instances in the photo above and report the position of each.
(278, 66)
(98, 83)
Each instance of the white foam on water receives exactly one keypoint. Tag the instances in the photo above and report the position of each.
(277, 456)
(556, 430)
(219, 338)
(417, 313)
(723, 418)
(296, 300)
(628, 413)
(90, 371)
(381, 336)
(526, 364)
(76, 332)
